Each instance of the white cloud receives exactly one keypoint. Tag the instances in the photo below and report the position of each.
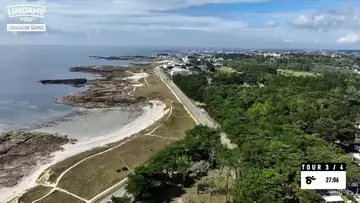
(325, 20)
(121, 14)
(350, 38)
(320, 22)
(163, 5)
(288, 40)
(270, 24)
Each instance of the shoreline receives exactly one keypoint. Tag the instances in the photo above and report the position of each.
(151, 112)
(149, 116)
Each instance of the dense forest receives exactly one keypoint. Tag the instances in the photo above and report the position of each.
(276, 121)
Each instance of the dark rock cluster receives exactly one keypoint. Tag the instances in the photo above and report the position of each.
(21, 151)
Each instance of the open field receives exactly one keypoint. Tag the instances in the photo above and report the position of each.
(34, 193)
(60, 167)
(157, 89)
(140, 149)
(287, 72)
(175, 125)
(96, 174)
(225, 69)
(60, 197)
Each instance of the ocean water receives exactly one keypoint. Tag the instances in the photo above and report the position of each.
(24, 102)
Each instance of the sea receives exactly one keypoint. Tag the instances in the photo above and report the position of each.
(24, 102)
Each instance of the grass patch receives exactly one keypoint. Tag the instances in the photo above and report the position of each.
(34, 193)
(157, 90)
(60, 197)
(60, 167)
(287, 72)
(94, 175)
(225, 69)
(141, 149)
(177, 124)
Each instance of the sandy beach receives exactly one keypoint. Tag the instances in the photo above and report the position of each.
(90, 123)
(149, 116)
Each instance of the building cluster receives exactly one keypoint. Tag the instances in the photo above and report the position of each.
(185, 64)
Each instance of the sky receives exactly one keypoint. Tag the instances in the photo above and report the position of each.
(193, 23)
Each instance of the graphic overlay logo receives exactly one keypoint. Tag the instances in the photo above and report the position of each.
(322, 176)
(28, 18)
(309, 179)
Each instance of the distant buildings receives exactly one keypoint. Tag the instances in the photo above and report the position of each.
(179, 71)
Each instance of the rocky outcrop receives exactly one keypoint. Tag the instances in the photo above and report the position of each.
(110, 90)
(99, 69)
(20, 152)
(100, 99)
(74, 82)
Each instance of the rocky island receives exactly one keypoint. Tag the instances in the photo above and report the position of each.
(74, 82)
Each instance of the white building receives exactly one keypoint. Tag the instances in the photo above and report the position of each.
(333, 197)
(179, 71)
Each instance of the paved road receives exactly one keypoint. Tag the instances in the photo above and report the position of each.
(200, 117)
(118, 193)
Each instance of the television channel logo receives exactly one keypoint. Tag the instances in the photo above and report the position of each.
(28, 16)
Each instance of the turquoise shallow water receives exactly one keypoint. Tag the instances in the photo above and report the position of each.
(25, 102)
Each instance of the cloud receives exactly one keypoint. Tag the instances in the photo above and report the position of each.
(270, 24)
(288, 40)
(317, 22)
(325, 20)
(350, 38)
(140, 15)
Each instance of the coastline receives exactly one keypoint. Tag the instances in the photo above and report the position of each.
(150, 116)
(151, 111)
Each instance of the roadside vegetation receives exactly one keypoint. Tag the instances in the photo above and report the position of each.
(277, 125)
